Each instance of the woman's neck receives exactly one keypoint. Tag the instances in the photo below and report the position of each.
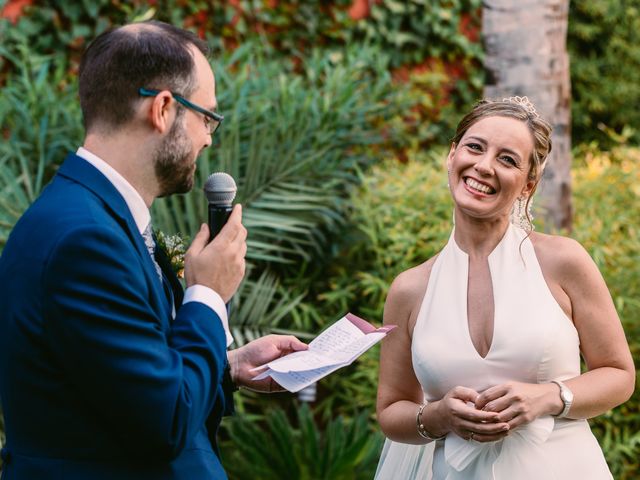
(479, 237)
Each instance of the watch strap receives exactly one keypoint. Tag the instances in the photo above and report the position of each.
(566, 396)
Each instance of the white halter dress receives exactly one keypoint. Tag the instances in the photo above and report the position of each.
(533, 342)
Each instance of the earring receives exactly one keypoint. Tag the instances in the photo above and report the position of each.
(521, 214)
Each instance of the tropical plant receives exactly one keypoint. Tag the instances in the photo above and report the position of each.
(274, 448)
(39, 123)
(294, 145)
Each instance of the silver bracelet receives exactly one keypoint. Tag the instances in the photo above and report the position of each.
(423, 431)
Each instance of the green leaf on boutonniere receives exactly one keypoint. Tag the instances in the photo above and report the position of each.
(174, 246)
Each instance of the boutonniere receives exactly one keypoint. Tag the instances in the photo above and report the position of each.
(174, 246)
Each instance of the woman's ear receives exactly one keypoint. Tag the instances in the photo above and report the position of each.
(529, 188)
(452, 150)
(159, 113)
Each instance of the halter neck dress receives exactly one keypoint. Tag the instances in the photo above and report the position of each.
(533, 341)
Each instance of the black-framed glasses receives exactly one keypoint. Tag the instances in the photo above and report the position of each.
(212, 120)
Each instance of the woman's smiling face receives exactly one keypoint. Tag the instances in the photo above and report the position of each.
(489, 167)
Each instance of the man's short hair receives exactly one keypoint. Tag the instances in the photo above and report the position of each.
(119, 61)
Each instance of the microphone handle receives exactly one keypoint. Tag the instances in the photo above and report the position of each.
(218, 216)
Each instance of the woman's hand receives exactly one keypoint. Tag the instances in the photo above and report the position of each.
(458, 413)
(520, 403)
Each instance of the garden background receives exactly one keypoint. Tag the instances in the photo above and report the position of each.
(338, 115)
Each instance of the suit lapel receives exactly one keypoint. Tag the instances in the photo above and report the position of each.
(82, 172)
(167, 269)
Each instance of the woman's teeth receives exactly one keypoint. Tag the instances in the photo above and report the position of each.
(478, 186)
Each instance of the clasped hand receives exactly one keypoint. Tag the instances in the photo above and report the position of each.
(492, 414)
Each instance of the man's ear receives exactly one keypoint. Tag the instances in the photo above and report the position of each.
(159, 113)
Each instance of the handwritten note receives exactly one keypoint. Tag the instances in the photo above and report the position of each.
(337, 346)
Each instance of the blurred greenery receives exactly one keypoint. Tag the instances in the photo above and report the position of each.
(39, 124)
(603, 43)
(430, 44)
(607, 209)
(305, 449)
(335, 130)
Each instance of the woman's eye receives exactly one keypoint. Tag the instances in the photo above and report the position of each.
(509, 160)
(474, 146)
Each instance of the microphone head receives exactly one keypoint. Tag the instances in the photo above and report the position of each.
(220, 188)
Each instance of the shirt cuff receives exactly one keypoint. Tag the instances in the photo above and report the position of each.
(202, 294)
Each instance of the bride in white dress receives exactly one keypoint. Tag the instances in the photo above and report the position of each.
(481, 380)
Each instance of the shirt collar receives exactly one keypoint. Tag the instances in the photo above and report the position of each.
(134, 201)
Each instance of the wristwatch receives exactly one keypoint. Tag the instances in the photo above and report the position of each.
(566, 395)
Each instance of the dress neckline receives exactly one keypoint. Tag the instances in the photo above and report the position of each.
(496, 260)
(508, 232)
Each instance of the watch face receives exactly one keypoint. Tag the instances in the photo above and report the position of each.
(566, 395)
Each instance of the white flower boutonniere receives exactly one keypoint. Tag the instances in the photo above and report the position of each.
(174, 247)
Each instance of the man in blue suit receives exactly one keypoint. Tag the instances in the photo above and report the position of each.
(108, 370)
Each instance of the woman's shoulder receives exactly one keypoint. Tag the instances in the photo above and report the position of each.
(406, 293)
(412, 282)
(559, 254)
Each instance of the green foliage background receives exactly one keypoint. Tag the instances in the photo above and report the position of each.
(605, 63)
(336, 132)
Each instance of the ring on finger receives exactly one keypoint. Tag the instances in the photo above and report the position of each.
(471, 434)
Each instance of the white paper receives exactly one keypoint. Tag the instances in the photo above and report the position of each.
(337, 346)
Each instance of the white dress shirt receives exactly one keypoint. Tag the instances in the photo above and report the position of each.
(142, 217)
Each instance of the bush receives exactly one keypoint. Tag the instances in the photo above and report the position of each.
(607, 208)
(403, 216)
(434, 45)
(605, 66)
(273, 448)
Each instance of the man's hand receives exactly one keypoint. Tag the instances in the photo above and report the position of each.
(259, 352)
(219, 265)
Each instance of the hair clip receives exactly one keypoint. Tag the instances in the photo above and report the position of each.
(524, 102)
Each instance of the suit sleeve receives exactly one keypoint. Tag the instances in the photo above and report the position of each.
(154, 388)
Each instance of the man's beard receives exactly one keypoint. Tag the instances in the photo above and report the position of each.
(172, 161)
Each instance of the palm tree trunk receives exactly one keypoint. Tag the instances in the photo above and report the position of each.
(526, 54)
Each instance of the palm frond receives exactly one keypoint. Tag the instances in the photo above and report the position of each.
(292, 143)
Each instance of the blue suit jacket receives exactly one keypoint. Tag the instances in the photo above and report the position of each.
(96, 381)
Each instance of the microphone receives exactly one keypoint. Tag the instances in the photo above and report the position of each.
(220, 189)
